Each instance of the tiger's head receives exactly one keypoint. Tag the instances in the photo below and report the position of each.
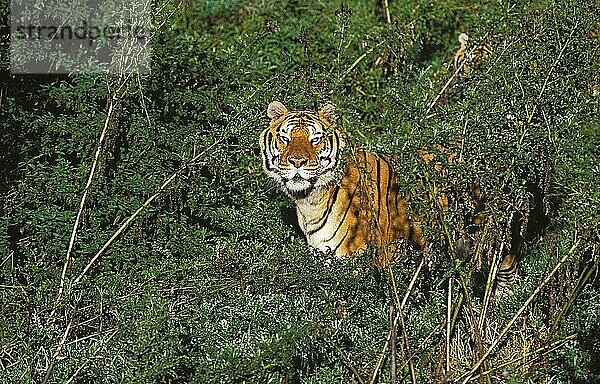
(301, 149)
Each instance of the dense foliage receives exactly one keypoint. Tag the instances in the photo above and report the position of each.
(213, 281)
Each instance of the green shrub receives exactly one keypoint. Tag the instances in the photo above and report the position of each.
(213, 281)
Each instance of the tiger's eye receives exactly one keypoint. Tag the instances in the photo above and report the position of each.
(316, 140)
(284, 139)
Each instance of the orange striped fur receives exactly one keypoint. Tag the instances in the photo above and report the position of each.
(347, 201)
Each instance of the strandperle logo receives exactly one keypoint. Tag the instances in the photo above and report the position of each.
(64, 36)
(81, 31)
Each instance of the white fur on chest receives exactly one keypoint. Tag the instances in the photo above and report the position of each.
(320, 230)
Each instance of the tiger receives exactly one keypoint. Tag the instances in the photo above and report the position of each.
(347, 199)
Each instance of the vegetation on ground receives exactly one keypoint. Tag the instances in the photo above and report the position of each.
(140, 241)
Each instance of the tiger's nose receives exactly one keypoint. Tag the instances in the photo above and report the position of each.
(297, 162)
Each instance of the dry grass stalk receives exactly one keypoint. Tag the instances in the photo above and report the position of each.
(466, 377)
(448, 317)
(583, 278)
(348, 363)
(411, 367)
(57, 352)
(386, 11)
(111, 103)
(102, 344)
(400, 308)
(537, 353)
(459, 67)
(131, 218)
(393, 343)
(475, 333)
(487, 296)
(404, 333)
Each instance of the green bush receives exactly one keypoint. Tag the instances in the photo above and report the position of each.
(213, 281)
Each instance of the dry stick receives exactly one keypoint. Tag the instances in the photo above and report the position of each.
(393, 335)
(466, 377)
(83, 338)
(411, 367)
(83, 199)
(57, 352)
(124, 226)
(402, 304)
(393, 343)
(422, 345)
(545, 349)
(448, 314)
(441, 92)
(380, 360)
(487, 296)
(386, 11)
(585, 275)
(567, 41)
(404, 334)
(102, 344)
(475, 330)
(393, 325)
(360, 58)
(348, 363)
(414, 278)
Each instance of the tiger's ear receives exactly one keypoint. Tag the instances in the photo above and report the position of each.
(276, 110)
(328, 113)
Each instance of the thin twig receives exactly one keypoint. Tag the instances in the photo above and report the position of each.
(476, 334)
(386, 11)
(380, 360)
(448, 321)
(360, 58)
(583, 278)
(102, 344)
(401, 307)
(404, 334)
(86, 189)
(393, 343)
(57, 353)
(466, 377)
(414, 278)
(487, 296)
(543, 350)
(442, 91)
(422, 345)
(567, 41)
(127, 222)
(349, 364)
(411, 367)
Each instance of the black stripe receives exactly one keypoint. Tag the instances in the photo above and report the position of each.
(267, 147)
(265, 141)
(345, 213)
(334, 145)
(378, 180)
(325, 215)
(341, 241)
(387, 194)
(506, 274)
(268, 138)
(283, 122)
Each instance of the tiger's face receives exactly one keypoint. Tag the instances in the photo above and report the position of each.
(301, 149)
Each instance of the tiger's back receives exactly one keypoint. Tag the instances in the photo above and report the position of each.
(364, 210)
(347, 200)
